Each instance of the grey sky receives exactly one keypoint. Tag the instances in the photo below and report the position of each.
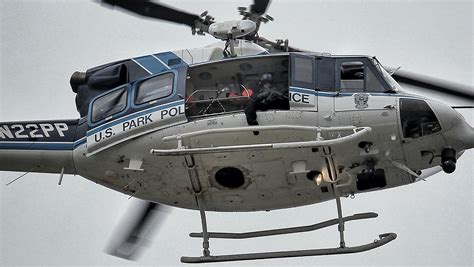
(44, 42)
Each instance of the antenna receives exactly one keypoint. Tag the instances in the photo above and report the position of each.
(16, 179)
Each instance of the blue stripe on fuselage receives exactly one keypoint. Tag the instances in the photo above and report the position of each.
(36, 146)
(171, 60)
(25, 145)
(151, 64)
(133, 115)
(339, 94)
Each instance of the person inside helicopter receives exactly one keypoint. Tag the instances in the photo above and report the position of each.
(267, 97)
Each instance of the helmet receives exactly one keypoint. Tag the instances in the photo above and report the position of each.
(266, 78)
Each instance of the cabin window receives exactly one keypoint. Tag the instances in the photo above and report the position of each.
(417, 118)
(355, 76)
(352, 76)
(154, 88)
(304, 69)
(326, 74)
(104, 107)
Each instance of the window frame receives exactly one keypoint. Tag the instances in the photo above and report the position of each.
(326, 77)
(367, 64)
(296, 83)
(155, 101)
(339, 66)
(93, 123)
(403, 119)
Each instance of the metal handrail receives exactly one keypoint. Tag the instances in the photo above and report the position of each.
(260, 128)
(182, 150)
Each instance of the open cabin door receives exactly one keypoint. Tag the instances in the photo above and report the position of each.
(228, 86)
(302, 82)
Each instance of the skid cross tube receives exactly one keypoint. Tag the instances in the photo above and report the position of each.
(340, 219)
(205, 236)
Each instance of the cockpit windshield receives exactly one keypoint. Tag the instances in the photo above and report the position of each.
(386, 76)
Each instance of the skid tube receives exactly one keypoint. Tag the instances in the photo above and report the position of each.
(383, 239)
(340, 221)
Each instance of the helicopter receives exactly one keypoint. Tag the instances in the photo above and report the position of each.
(59, 128)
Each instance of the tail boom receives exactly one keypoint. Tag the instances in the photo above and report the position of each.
(38, 146)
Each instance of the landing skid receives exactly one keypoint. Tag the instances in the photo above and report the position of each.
(383, 239)
(342, 249)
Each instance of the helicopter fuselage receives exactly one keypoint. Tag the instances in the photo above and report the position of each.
(181, 129)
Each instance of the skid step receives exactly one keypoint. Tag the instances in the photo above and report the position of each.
(383, 239)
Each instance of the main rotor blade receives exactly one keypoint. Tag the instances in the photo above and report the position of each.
(132, 236)
(276, 47)
(433, 84)
(259, 6)
(154, 10)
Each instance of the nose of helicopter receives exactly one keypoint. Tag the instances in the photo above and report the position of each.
(458, 133)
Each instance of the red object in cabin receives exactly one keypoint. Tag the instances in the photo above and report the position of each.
(248, 92)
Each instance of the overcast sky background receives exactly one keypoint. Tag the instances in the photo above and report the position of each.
(43, 42)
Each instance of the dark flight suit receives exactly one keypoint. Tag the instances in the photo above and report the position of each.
(267, 98)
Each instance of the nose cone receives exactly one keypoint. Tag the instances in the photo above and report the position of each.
(457, 132)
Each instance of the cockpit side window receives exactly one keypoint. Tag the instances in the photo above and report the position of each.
(304, 70)
(417, 118)
(372, 84)
(154, 88)
(358, 76)
(352, 76)
(109, 104)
